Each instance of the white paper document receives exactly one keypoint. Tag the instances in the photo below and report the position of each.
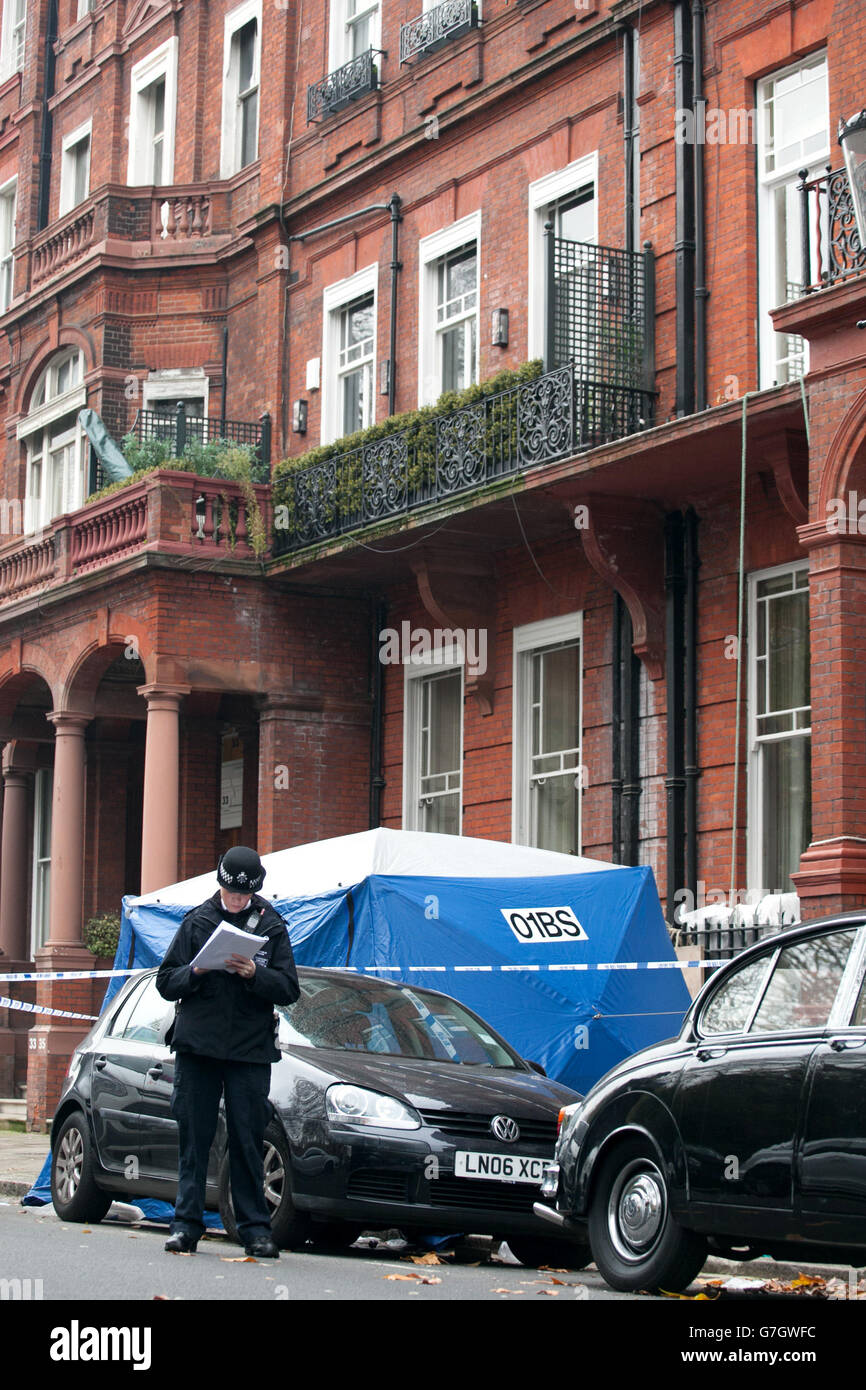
(224, 941)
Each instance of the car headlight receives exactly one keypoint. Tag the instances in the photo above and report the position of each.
(355, 1105)
(567, 1118)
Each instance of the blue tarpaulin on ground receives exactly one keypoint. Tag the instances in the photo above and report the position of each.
(497, 926)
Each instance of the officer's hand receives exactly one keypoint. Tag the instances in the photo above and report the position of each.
(240, 965)
(200, 969)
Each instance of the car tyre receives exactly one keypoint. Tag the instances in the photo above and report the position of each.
(288, 1225)
(533, 1251)
(636, 1242)
(74, 1191)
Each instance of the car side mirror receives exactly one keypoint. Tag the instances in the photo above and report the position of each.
(536, 1066)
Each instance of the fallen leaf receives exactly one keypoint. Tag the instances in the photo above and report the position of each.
(86, 1231)
(549, 1293)
(422, 1278)
(428, 1259)
(160, 1298)
(551, 1269)
(239, 1259)
(506, 1291)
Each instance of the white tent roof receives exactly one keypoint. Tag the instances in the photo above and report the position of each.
(324, 865)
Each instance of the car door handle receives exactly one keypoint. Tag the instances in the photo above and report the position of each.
(705, 1054)
(846, 1044)
(100, 1063)
(155, 1071)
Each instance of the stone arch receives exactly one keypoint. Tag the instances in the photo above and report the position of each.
(16, 683)
(87, 666)
(846, 458)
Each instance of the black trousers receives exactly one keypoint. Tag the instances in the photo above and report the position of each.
(198, 1084)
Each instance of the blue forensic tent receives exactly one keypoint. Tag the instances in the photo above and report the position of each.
(499, 926)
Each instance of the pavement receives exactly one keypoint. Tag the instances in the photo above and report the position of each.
(22, 1156)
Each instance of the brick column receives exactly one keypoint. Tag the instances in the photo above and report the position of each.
(276, 718)
(159, 837)
(832, 874)
(52, 1039)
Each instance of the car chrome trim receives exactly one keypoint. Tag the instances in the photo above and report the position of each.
(548, 1214)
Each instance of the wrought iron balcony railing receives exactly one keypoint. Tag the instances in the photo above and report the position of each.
(354, 79)
(179, 429)
(830, 244)
(434, 28)
(600, 305)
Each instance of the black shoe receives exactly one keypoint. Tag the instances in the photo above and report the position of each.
(263, 1248)
(181, 1243)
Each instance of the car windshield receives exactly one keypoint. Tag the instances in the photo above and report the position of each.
(393, 1021)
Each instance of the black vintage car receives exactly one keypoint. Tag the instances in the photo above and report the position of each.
(391, 1107)
(747, 1133)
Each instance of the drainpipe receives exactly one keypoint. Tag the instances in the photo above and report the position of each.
(692, 771)
(631, 787)
(43, 201)
(674, 682)
(629, 130)
(684, 245)
(394, 206)
(225, 381)
(701, 291)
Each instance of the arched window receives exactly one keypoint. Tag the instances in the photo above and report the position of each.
(56, 444)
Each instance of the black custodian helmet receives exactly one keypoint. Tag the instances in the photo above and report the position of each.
(240, 870)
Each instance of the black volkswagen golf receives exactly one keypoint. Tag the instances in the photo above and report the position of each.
(391, 1107)
(746, 1134)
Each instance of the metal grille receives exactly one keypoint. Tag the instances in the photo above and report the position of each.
(435, 27)
(723, 941)
(471, 1125)
(378, 1186)
(473, 1194)
(179, 429)
(354, 79)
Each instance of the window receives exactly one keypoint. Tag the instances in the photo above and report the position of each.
(84, 7)
(780, 716)
(164, 388)
(448, 309)
(75, 168)
(547, 770)
(7, 242)
(41, 895)
(793, 134)
(152, 108)
(147, 1020)
(784, 990)
(355, 29)
(14, 37)
(433, 760)
(567, 199)
(56, 444)
(241, 63)
(349, 355)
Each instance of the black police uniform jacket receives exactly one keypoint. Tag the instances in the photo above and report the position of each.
(220, 1014)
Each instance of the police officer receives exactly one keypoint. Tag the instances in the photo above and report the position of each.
(223, 1038)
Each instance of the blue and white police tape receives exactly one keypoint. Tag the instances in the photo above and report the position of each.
(42, 1009)
(373, 969)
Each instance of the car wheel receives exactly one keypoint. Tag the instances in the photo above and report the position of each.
(535, 1250)
(333, 1235)
(636, 1243)
(288, 1225)
(74, 1192)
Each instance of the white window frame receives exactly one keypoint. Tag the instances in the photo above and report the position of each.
(230, 149)
(767, 186)
(528, 639)
(337, 297)
(8, 193)
(40, 428)
(542, 192)
(339, 45)
(40, 897)
(12, 53)
(431, 250)
(84, 7)
(161, 63)
(67, 166)
(444, 661)
(175, 384)
(754, 800)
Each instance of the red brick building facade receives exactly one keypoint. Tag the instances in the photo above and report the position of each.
(304, 219)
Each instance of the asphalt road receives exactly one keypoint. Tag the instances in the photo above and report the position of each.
(114, 1261)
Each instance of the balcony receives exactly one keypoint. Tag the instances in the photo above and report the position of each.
(830, 244)
(180, 429)
(353, 80)
(598, 387)
(436, 27)
(177, 514)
